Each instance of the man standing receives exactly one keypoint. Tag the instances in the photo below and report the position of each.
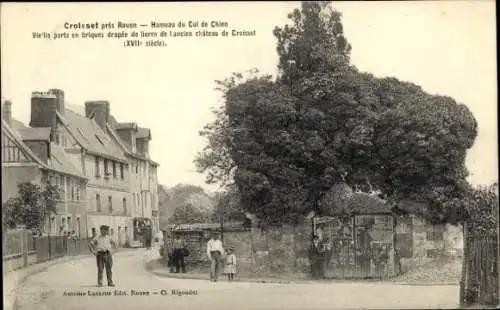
(214, 252)
(178, 254)
(149, 237)
(101, 246)
(317, 255)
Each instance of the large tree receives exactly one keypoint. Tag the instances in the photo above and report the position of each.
(321, 122)
(31, 207)
(190, 204)
(228, 205)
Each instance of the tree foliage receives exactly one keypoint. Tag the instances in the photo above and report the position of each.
(31, 207)
(481, 205)
(286, 141)
(228, 204)
(190, 204)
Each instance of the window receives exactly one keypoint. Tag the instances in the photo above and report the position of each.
(124, 205)
(72, 184)
(122, 175)
(106, 167)
(97, 169)
(114, 169)
(70, 226)
(137, 168)
(77, 193)
(110, 204)
(98, 202)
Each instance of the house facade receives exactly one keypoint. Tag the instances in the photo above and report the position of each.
(31, 155)
(119, 180)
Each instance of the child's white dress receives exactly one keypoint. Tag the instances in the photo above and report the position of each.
(230, 267)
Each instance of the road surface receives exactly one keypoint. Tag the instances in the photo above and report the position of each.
(49, 290)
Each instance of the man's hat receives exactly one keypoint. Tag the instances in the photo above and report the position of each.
(104, 227)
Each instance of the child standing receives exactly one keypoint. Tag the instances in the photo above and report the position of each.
(230, 268)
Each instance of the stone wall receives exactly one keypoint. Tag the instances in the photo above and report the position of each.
(446, 243)
(275, 250)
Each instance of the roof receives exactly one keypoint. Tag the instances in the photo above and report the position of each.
(35, 134)
(74, 120)
(60, 162)
(203, 226)
(122, 126)
(125, 146)
(17, 125)
(143, 133)
(7, 130)
(91, 136)
(364, 203)
(411, 207)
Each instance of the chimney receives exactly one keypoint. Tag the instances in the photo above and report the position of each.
(43, 110)
(60, 100)
(7, 112)
(99, 111)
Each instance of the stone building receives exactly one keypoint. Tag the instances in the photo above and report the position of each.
(31, 155)
(143, 182)
(121, 179)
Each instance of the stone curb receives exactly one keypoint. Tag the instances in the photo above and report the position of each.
(282, 281)
(19, 276)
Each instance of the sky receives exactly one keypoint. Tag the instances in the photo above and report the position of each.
(447, 47)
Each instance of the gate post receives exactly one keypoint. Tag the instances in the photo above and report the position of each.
(24, 246)
(464, 265)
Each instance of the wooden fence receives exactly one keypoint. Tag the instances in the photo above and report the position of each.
(21, 248)
(479, 284)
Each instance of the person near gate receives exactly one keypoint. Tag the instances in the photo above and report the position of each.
(214, 252)
(317, 256)
(178, 254)
(230, 269)
(148, 237)
(102, 247)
